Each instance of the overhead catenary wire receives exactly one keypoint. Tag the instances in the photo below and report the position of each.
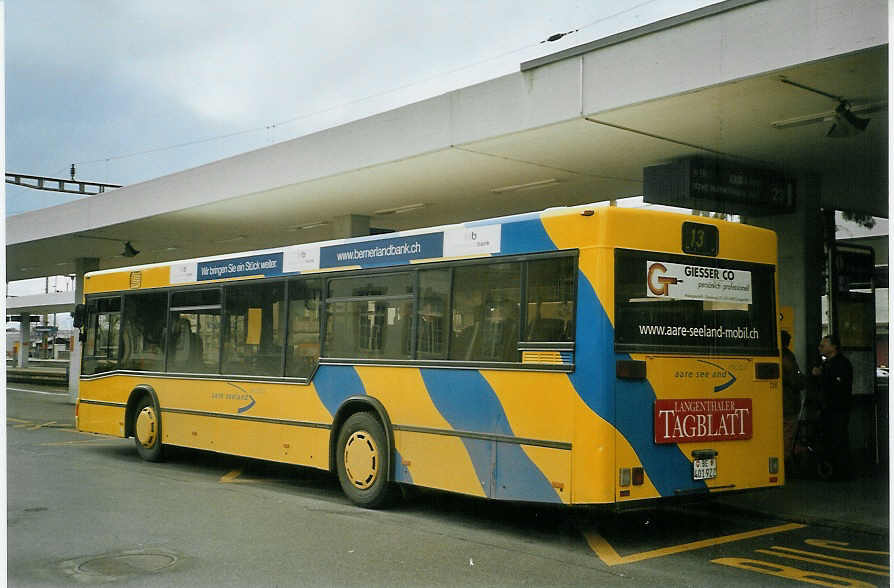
(552, 38)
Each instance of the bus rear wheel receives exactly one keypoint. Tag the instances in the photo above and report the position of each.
(363, 461)
(147, 430)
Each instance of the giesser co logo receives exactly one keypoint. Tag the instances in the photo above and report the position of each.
(695, 282)
(659, 283)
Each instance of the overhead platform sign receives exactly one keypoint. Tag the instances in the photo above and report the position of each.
(706, 183)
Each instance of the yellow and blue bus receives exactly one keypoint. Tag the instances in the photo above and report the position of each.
(578, 355)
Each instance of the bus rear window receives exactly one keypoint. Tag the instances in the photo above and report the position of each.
(683, 304)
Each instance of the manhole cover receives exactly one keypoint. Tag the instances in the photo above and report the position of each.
(128, 564)
(110, 567)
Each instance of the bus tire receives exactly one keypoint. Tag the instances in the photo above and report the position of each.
(147, 430)
(363, 460)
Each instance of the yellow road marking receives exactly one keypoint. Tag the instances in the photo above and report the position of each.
(840, 546)
(12, 420)
(610, 557)
(781, 571)
(832, 557)
(80, 442)
(816, 560)
(233, 477)
(230, 477)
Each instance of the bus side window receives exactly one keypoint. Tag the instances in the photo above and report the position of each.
(142, 331)
(303, 352)
(486, 304)
(103, 326)
(254, 320)
(550, 300)
(370, 317)
(432, 322)
(195, 332)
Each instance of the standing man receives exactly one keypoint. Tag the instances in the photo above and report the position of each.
(836, 384)
(792, 384)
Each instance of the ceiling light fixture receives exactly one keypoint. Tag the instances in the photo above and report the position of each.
(827, 116)
(399, 209)
(308, 226)
(523, 187)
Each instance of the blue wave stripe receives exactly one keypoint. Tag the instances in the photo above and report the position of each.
(401, 472)
(666, 465)
(335, 383)
(594, 369)
(518, 478)
(466, 400)
(525, 237)
(628, 404)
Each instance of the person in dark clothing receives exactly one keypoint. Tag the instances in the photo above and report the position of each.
(792, 384)
(836, 384)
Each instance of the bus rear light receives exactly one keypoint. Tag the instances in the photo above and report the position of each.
(766, 371)
(624, 478)
(774, 465)
(638, 476)
(630, 369)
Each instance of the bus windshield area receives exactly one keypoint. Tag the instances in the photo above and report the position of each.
(685, 304)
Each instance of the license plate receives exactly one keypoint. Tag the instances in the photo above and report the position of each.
(704, 469)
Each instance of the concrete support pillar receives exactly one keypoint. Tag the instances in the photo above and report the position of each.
(800, 269)
(350, 225)
(25, 341)
(82, 266)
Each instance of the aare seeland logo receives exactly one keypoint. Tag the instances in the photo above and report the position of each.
(721, 372)
(242, 395)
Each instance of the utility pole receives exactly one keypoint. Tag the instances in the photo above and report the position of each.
(46, 322)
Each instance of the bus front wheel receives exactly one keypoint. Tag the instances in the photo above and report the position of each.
(147, 430)
(363, 460)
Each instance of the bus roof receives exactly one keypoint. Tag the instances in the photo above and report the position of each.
(515, 234)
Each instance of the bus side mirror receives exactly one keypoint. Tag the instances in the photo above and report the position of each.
(79, 316)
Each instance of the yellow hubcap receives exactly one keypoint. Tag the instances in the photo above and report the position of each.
(146, 430)
(361, 460)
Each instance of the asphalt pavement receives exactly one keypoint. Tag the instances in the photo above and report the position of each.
(861, 503)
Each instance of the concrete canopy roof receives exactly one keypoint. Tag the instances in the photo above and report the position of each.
(574, 129)
(41, 303)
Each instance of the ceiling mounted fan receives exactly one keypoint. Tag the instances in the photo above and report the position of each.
(844, 120)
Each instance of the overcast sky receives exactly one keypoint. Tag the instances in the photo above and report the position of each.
(113, 86)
